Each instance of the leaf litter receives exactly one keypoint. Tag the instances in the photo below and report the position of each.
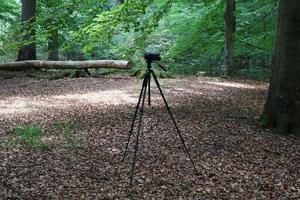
(235, 158)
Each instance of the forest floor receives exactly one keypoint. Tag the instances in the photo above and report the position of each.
(86, 123)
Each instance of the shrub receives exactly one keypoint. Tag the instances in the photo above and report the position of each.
(255, 73)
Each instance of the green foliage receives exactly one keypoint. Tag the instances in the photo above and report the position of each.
(67, 18)
(137, 16)
(9, 19)
(255, 73)
(195, 40)
(140, 72)
(189, 34)
(256, 25)
(31, 136)
(8, 142)
(9, 10)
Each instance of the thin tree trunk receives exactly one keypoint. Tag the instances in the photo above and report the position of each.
(53, 44)
(28, 51)
(282, 109)
(227, 67)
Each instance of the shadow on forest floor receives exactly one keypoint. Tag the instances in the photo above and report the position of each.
(235, 158)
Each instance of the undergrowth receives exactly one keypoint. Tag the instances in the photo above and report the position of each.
(33, 137)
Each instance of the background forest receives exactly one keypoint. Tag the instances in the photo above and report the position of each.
(189, 34)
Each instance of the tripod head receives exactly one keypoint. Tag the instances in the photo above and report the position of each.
(153, 57)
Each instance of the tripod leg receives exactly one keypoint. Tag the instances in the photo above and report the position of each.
(149, 92)
(138, 131)
(174, 121)
(135, 114)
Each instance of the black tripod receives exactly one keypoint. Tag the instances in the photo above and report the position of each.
(142, 97)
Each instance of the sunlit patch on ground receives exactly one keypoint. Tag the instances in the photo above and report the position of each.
(13, 105)
(109, 97)
(236, 85)
(18, 104)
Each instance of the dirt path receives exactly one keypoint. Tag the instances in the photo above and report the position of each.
(235, 158)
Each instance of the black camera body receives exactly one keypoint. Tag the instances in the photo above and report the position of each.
(152, 57)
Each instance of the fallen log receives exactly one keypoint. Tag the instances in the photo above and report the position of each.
(39, 64)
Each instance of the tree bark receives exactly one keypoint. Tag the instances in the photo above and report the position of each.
(53, 44)
(227, 67)
(38, 64)
(282, 108)
(119, 2)
(28, 51)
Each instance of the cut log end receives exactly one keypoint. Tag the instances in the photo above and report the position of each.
(40, 64)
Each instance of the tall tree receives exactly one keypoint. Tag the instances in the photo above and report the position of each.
(28, 51)
(282, 109)
(229, 30)
(53, 25)
(119, 2)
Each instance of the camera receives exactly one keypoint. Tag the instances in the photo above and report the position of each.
(152, 57)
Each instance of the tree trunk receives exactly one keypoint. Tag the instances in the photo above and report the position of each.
(120, 2)
(28, 51)
(282, 109)
(39, 64)
(227, 67)
(53, 43)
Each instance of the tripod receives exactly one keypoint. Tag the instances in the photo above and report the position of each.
(142, 98)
